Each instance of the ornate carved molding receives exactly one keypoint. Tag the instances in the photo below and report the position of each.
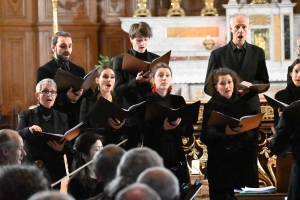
(260, 19)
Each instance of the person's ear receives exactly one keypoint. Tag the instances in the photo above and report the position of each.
(291, 73)
(98, 176)
(130, 39)
(37, 96)
(4, 151)
(97, 80)
(53, 48)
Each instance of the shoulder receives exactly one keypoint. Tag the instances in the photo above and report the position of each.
(280, 93)
(63, 116)
(120, 56)
(76, 66)
(254, 48)
(49, 66)
(178, 99)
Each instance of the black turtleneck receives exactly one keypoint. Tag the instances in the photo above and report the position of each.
(141, 56)
(47, 126)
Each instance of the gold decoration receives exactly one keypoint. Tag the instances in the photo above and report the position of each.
(260, 19)
(142, 10)
(208, 43)
(176, 10)
(209, 9)
(55, 23)
(259, 2)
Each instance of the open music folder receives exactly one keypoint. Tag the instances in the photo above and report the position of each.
(103, 109)
(131, 63)
(157, 113)
(256, 87)
(65, 80)
(275, 104)
(248, 122)
(69, 135)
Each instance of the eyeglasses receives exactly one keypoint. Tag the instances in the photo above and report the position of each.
(47, 92)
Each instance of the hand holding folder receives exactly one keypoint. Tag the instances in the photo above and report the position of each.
(68, 136)
(256, 87)
(157, 113)
(131, 63)
(249, 122)
(103, 110)
(65, 80)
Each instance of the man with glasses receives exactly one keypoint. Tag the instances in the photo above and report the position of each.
(11, 147)
(67, 102)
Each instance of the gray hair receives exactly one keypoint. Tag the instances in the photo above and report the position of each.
(46, 81)
(238, 14)
(137, 191)
(51, 195)
(106, 161)
(162, 180)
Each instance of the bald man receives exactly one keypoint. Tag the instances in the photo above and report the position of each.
(11, 147)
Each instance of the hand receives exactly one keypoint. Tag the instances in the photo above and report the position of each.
(56, 146)
(248, 84)
(279, 112)
(143, 77)
(233, 131)
(116, 124)
(171, 125)
(35, 128)
(74, 96)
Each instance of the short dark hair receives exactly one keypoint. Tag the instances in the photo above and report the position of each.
(57, 34)
(141, 29)
(213, 79)
(21, 181)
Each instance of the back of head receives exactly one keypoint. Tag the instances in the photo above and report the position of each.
(135, 161)
(137, 192)
(19, 182)
(51, 195)
(162, 180)
(106, 161)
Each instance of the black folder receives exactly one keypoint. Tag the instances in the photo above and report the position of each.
(131, 63)
(65, 80)
(249, 122)
(69, 135)
(157, 113)
(103, 109)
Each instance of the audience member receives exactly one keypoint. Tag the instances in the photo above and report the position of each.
(51, 195)
(137, 192)
(161, 180)
(287, 138)
(19, 182)
(82, 184)
(247, 60)
(11, 146)
(67, 102)
(131, 165)
(232, 161)
(165, 137)
(44, 118)
(134, 86)
(105, 165)
(292, 91)
(105, 83)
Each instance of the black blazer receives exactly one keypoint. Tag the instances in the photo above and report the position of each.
(126, 84)
(253, 70)
(287, 137)
(52, 160)
(62, 103)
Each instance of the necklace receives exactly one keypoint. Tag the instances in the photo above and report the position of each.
(46, 118)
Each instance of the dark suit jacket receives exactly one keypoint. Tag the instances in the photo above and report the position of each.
(36, 150)
(253, 70)
(287, 137)
(126, 84)
(62, 103)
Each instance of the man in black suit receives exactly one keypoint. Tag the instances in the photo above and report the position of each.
(286, 138)
(247, 60)
(67, 101)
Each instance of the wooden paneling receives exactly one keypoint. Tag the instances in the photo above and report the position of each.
(113, 41)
